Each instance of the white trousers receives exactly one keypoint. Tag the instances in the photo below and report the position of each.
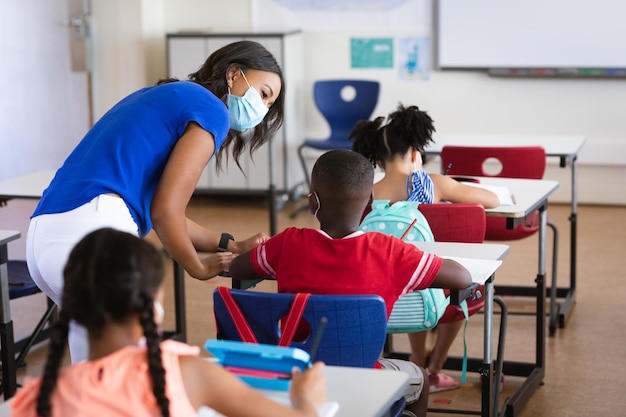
(51, 238)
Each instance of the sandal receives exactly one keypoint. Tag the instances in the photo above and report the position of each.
(441, 382)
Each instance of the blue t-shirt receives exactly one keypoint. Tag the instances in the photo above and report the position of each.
(125, 152)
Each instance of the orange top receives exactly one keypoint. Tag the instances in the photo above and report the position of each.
(116, 385)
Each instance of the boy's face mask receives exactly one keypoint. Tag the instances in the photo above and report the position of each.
(317, 202)
(247, 111)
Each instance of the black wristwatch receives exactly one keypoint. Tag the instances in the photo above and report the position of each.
(223, 245)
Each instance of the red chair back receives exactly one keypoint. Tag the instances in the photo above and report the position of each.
(517, 162)
(455, 222)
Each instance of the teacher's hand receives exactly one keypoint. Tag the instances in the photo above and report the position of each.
(216, 263)
(242, 246)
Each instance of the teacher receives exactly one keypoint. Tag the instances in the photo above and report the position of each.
(138, 166)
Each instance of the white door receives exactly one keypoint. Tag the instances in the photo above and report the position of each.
(44, 94)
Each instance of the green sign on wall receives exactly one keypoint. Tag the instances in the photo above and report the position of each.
(371, 52)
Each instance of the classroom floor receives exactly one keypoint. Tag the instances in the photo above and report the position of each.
(583, 361)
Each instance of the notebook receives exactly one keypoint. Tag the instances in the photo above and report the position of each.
(504, 194)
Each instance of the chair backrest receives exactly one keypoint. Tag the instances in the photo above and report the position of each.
(516, 162)
(354, 334)
(457, 222)
(345, 102)
(20, 282)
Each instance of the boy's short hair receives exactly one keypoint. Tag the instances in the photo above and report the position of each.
(344, 172)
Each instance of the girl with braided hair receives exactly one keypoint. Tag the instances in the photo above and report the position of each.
(396, 145)
(114, 288)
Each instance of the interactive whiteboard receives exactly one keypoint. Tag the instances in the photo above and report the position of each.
(530, 33)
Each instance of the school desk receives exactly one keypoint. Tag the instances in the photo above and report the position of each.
(31, 186)
(529, 196)
(358, 391)
(481, 259)
(566, 149)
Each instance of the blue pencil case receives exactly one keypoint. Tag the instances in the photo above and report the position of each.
(259, 365)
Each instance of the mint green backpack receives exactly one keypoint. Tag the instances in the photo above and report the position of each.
(420, 310)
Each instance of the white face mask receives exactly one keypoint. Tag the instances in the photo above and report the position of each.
(317, 201)
(247, 111)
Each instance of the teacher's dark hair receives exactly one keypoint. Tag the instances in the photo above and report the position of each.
(212, 75)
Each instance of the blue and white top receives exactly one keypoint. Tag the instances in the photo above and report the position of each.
(420, 187)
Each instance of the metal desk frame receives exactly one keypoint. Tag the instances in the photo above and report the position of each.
(566, 148)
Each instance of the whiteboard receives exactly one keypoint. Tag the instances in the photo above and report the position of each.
(530, 33)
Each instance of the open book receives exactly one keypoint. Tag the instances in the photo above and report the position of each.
(504, 194)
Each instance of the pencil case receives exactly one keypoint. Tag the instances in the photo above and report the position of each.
(259, 365)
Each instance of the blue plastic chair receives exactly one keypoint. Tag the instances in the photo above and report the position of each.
(20, 285)
(354, 333)
(353, 336)
(341, 112)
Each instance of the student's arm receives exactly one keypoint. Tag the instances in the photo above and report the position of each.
(210, 385)
(241, 268)
(452, 275)
(449, 189)
(182, 237)
(176, 186)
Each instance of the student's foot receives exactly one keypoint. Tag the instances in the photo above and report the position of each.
(441, 382)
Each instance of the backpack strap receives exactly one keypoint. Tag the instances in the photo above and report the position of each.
(380, 204)
(243, 328)
(463, 306)
(293, 318)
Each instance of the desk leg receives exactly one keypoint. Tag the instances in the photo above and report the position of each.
(9, 367)
(568, 304)
(488, 405)
(180, 333)
(272, 189)
(541, 290)
(537, 372)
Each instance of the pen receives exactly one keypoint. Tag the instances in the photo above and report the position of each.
(445, 171)
(513, 198)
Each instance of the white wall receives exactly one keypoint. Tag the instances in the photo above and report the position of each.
(471, 102)
(459, 102)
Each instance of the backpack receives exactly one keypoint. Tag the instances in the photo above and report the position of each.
(419, 310)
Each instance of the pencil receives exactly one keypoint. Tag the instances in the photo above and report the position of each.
(406, 232)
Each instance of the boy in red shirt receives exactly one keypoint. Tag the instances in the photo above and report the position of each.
(340, 259)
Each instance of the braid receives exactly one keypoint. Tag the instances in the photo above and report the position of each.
(369, 141)
(110, 276)
(155, 364)
(56, 352)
